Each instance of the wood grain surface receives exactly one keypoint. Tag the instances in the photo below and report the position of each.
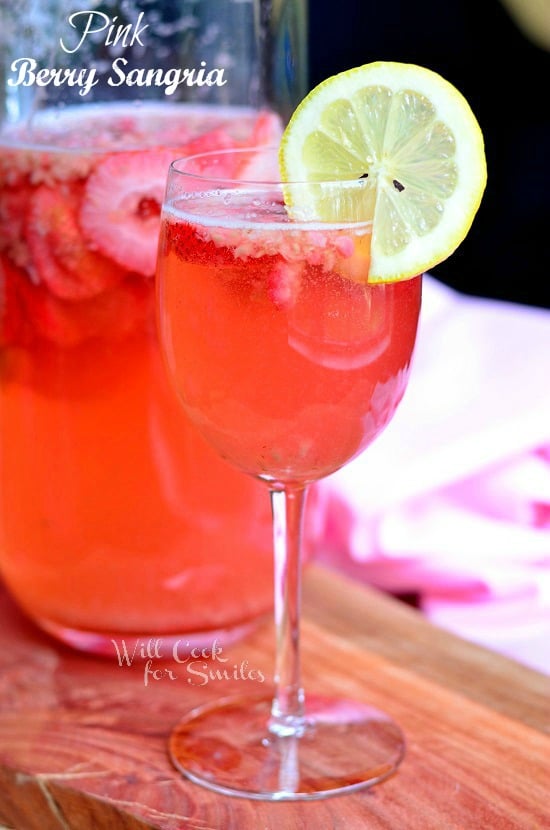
(83, 739)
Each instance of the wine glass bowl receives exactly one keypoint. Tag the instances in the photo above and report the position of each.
(287, 367)
(290, 364)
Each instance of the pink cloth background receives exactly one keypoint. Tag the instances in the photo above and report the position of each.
(452, 502)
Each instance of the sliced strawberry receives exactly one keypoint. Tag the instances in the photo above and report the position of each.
(190, 246)
(283, 283)
(13, 324)
(262, 166)
(113, 314)
(13, 206)
(217, 139)
(51, 318)
(120, 212)
(15, 166)
(221, 165)
(267, 130)
(61, 259)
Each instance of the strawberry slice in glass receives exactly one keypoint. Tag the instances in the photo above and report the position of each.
(60, 257)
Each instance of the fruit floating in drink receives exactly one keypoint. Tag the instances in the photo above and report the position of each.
(115, 517)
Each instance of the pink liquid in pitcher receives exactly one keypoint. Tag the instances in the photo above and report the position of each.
(115, 517)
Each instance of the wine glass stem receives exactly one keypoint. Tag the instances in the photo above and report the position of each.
(287, 711)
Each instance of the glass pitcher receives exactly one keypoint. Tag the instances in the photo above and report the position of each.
(116, 520)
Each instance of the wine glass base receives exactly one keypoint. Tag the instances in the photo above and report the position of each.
(227, 747)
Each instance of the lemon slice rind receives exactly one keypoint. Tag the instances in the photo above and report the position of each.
(413, 138)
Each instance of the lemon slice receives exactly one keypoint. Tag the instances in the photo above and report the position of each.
(410, 141)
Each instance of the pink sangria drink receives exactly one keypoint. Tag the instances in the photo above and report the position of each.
(115, 517)
(303, 264)
(339, 348)
(290, 363)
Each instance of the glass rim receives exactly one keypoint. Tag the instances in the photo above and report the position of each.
(210, 178)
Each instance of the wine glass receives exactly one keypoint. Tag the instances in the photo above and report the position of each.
(289, 364)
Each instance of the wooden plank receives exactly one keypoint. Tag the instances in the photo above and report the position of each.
(83, 740)
(375, 622)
